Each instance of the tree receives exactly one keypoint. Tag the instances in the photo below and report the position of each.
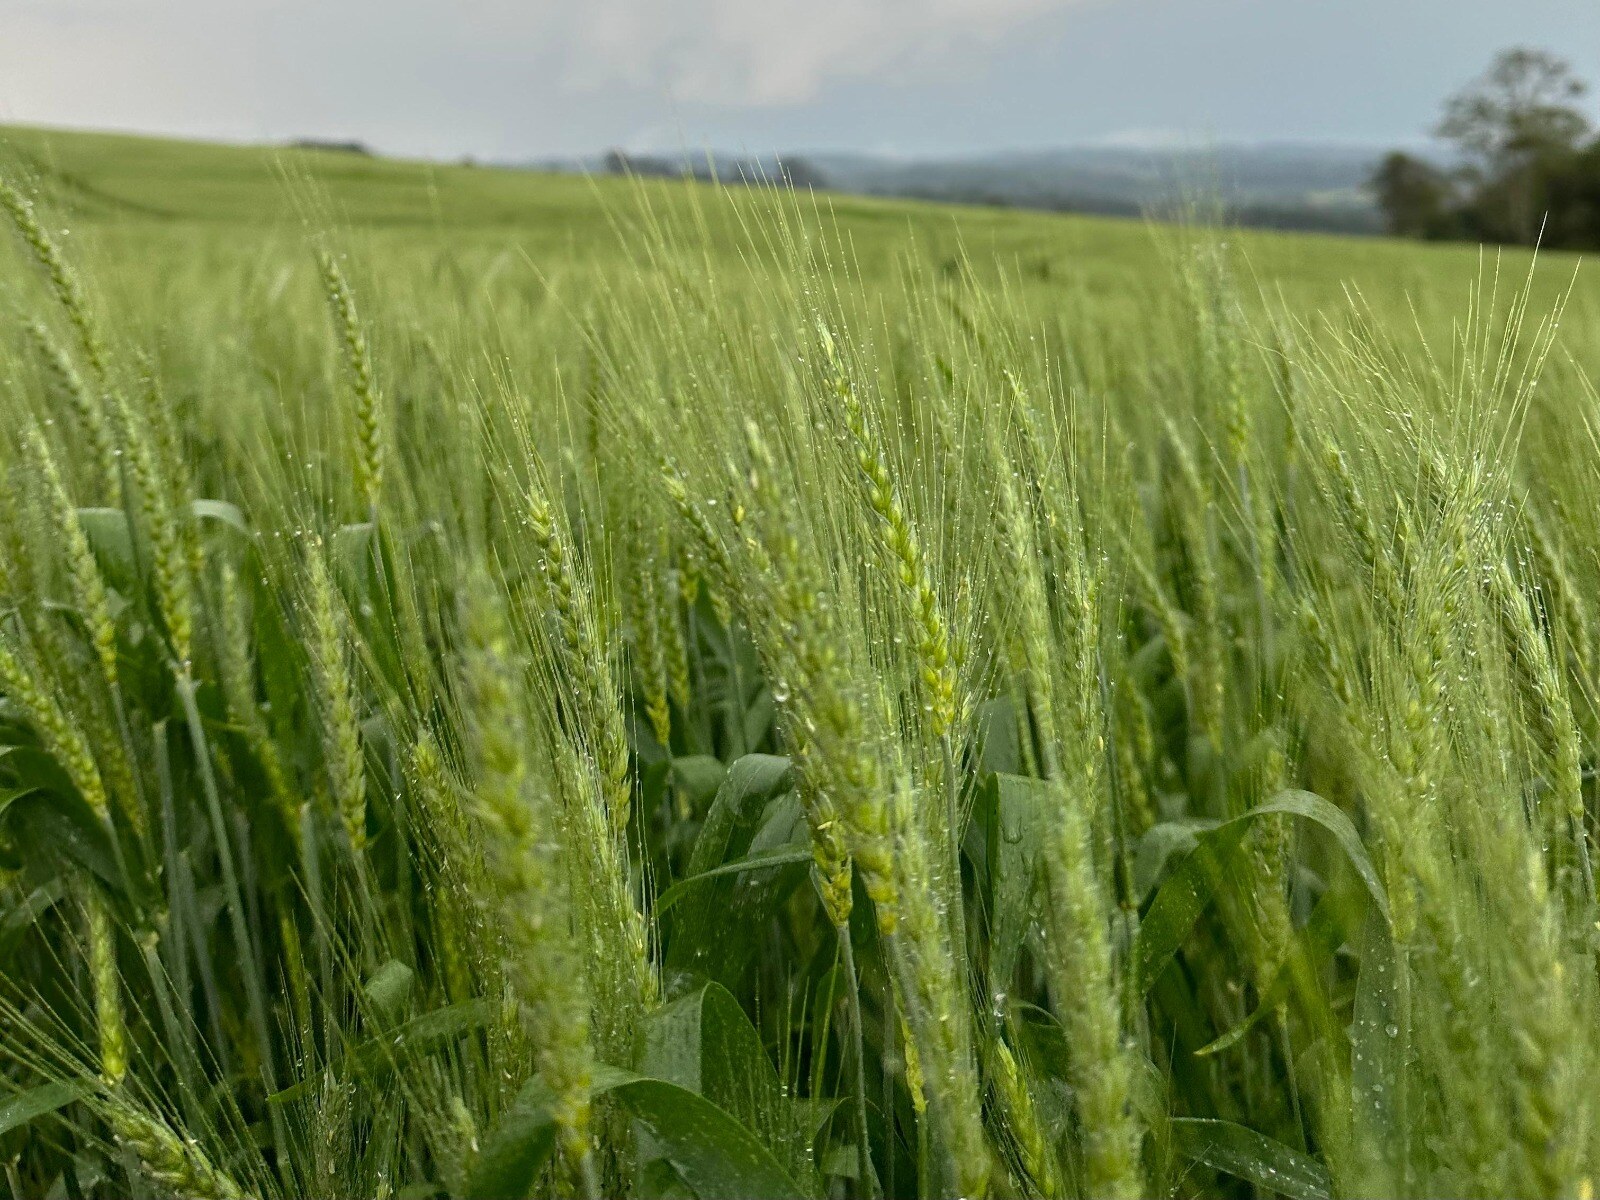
(1510, 125)
(1524, 104)
(1415, 196)
(1571, 198)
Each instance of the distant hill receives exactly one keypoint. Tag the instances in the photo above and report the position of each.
(1290, 186)
(1284, 186)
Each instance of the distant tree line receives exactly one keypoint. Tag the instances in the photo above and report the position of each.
(332, 145)
(1527, 165)
(782, 172)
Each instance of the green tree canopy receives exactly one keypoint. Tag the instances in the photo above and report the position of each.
(1524, 106)
(1527, 161)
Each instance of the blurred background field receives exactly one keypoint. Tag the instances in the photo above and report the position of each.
(485, 232)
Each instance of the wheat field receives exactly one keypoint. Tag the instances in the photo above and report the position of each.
(521, 686)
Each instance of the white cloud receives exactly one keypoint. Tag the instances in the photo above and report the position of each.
(776, 52)
(496, 76)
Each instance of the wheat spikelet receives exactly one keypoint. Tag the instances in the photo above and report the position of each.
(1078, 951)
(88, 411)
(1340, 483)
(60, 736)
(171, 561)
(1135, 748)
(369, 406)
(884, 844)
(1033, 1142)
(794, 598)
(62, 279)
(236, 673)
(526, 860)
(649, 601)
(588, 664)
(336, 696)
(902, 543)
(717, 566)
(680, 587)
(94, 605)
(622, 977)
(89, 588)
(1192, 518)
(1537, 673)
(1561, 595)
(459, 914)
(62, 740)
(176, 1163)
(173, 469)
(106, 983)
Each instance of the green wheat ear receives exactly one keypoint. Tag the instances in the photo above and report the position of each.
(155, 506)
(89, 587)
(62, 279)
(337, 696)
(171, 1161)
(573, 601)
(527, 862)
(903, 545)
(88, 410)
(369, 404)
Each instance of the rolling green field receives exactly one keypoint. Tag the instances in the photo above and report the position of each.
(518, 685)
(198, 207)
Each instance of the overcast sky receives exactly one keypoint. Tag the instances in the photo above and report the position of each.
(510, 79)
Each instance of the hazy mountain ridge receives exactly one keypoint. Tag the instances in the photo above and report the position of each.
(1277, 184)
